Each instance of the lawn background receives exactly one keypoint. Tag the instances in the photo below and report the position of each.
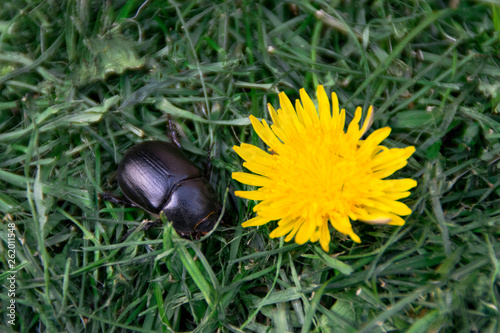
(82, 81)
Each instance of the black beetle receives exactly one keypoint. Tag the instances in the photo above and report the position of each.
(157, 177)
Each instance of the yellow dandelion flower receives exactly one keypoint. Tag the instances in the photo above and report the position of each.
(317, 172)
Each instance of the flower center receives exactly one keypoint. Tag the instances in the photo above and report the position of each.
(324, 170)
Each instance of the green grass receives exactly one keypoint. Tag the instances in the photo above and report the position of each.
(81, 82)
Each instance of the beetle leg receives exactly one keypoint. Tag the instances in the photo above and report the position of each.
(184, 234)
(208, 166)
(172, 133)
(128, 234)
(116, 200)
(152, 224)
(194, 235)
(199, 234)
(145, 225)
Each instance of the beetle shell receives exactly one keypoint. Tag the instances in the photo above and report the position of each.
(157, 176)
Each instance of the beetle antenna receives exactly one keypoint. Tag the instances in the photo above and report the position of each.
(172, 133)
